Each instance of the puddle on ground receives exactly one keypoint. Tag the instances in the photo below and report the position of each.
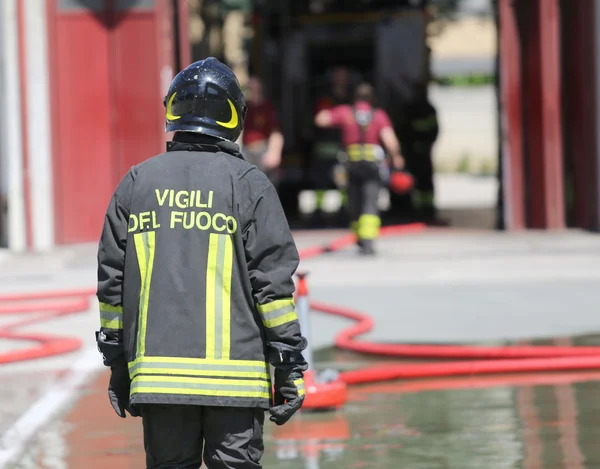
(508, 427)
(534, 421)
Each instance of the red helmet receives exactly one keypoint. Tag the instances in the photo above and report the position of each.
(401, 182)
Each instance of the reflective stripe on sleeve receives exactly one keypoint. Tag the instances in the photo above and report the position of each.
(278, 312)
(299, 383)
(111, 317)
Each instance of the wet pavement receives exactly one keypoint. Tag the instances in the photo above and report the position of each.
(433, 287)
(481, 423)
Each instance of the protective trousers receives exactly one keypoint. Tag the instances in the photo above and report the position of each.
(364, 183)
(419, 160)
(182, 436)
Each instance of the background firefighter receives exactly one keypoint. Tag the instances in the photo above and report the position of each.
(418, 134)
(262, 140)
(196, 295)
(327, 141)
(363, 127)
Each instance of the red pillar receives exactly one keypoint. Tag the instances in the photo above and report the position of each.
(511, 117)
(540, 34)
(554, 208)
(579, 90)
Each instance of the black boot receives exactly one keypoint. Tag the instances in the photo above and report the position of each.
(367, 247)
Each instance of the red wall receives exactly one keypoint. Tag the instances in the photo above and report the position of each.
(107, 104)
(137, 98)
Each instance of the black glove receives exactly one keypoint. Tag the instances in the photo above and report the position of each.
(289, 394)
(118, 391)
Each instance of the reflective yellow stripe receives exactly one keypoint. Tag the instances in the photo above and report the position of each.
(368, 226)
(278, 312)
(226, 297)
(106, 308)
(145, 245)
(211, 280)
(136, 389)
(299, 383)
(218, 296)
(192, 381)
(199, 367)
(270, 323)
(357, 152)
(116, 323)
(201, 386)
(199, 361)
(277, 304)
(111, 317)
(148, 370)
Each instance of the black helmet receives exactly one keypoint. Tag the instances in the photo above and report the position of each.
(206, 97)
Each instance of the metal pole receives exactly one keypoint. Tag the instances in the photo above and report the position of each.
(302, 310)
(511, 120)
(11, 158)
(38, 124)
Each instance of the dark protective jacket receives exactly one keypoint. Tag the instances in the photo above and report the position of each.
(195, 278)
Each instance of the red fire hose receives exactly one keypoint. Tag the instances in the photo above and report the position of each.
(482, 360)
(42, 307)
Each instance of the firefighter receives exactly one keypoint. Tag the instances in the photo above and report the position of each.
(262, 140)
(327, 141)
(363, 127)
(418, 137)
(195, 284)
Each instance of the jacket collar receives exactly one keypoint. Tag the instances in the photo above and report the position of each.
(186, 142)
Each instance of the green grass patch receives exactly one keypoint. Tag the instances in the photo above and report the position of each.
(466, 80)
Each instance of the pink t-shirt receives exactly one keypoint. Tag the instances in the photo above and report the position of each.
(343, 116)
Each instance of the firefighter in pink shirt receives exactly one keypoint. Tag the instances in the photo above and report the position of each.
(364, 128)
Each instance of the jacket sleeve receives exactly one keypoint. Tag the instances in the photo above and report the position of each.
(111, 261)
(272, 260)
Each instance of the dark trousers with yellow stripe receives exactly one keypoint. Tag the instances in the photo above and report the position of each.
(182, 436)
(364, 183)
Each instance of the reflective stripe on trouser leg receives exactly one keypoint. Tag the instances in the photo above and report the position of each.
(423, 198)
(144, 247)
(368, 226)
(218, 296)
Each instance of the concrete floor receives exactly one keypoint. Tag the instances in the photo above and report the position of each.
(437, 286)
